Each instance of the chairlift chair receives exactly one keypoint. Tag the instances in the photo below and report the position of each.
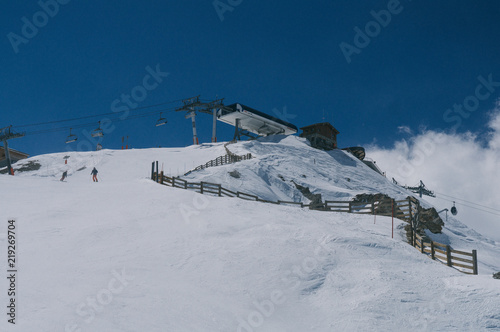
(71, 137)
(161, 121)
(98, 132)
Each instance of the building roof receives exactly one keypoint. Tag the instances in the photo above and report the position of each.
(2, 150)
(321, 125)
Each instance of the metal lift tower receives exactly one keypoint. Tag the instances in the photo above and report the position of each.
(5, 135)
(421, 190)
(193, 105)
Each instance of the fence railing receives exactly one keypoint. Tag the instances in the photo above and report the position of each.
(221, 160)
(399, 209)
(444, 254)
(404, 210)
(213, 188)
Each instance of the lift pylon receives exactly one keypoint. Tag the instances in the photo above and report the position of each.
(194, 105)
(5, 135)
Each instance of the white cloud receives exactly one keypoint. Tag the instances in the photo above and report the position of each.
(405, 130)
(459, 165)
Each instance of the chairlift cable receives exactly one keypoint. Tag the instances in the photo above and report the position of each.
(469, 202)
(97, 115)
(117, 119)
(472, 207)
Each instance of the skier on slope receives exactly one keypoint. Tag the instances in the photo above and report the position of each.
(64, 175)
(94, 175)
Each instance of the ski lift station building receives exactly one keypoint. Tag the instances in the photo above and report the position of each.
(256, 122)
(14, 156)
(321, 135)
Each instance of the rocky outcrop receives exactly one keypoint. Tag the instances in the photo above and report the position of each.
(426, 218)
(26, 167)
(316, 200)
(382, 209)
(430, 219)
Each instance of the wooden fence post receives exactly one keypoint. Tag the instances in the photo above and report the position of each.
(157, 171)
(448, 255)
(432, 250)
(409, 212)
(474, 261)
(350, 207)
(422, 247)
(161, 177)
(201, 187)
(152, 170)
(173, 181)
(220, 190)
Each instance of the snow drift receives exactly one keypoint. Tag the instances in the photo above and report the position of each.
(127, 254)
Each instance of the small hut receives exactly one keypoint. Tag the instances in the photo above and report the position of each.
(321, 135)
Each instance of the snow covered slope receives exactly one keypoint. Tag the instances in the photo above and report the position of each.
(127, 254)
(279, 160)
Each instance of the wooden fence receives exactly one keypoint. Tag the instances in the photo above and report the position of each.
(228, 158)
(214, 189)
(444, 254)
(403, 209)
(386, 207)
(222, 160)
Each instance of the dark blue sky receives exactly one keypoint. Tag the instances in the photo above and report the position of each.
(265, 54)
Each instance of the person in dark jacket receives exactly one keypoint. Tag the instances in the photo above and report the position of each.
(94, 175)
(65, 174)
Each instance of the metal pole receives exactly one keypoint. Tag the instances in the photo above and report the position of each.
(392, 208)
(214, 127)
(237, 130)
(374, 212)
(7, 156)
(195, 138)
